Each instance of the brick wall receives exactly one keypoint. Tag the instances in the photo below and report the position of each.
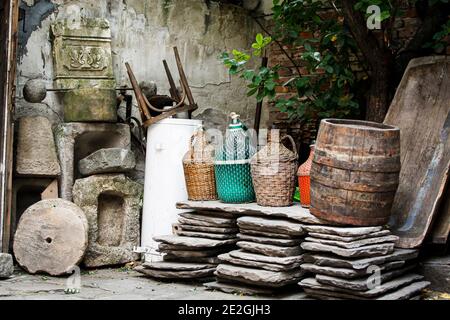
(304, 133)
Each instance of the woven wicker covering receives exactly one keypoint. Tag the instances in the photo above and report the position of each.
(274, 170)
(198, 165)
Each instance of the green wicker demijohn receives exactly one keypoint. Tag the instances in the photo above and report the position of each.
(232, 164)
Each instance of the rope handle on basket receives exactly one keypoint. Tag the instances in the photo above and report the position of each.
(198, 133)
(291, 140)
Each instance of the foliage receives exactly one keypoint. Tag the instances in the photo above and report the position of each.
(438, 43)
(329, 49)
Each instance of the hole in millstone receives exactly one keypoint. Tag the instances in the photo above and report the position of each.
(48, 240)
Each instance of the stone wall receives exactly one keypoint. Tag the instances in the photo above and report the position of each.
(143, 33)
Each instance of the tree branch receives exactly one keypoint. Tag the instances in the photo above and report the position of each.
(366, 41)
(296, 66)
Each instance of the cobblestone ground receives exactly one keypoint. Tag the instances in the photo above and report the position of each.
(109, 284)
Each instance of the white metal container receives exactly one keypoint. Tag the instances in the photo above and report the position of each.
(167, 143)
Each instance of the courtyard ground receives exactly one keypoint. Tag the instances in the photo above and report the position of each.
(110, 284)
(125, 284)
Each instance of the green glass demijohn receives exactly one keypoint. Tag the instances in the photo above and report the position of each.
(232, 164)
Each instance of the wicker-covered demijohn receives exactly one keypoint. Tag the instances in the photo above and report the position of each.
(274, 170)
(198, 165)
(232, 164)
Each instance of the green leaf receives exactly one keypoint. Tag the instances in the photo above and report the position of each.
(259, 39)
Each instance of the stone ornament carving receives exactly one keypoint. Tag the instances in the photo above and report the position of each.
(87, 58)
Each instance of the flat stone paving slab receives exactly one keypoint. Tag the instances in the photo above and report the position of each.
(240, 254)
(268, 240)
(295, 212)
(244, 289)
(223, 222)
(260, 233)
(192, 242)
(408, 292)
(227, 258)
(270, 250)
(342, 231)
(356, 243)
(177, 266)
(175, 274)
(271, 225)
(192, 253)
(349, 239)
(189, 259)
(323, 259)
(389, 286)
(347, 273)
(196, 222)
(366, 251)
(197, 228)
(258, 277)
(205, 235)
(362, 284)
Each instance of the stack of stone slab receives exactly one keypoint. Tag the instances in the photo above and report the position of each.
(191, 253)
(358, 263)
(268, 260)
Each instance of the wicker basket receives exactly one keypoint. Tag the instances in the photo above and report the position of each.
(198, 165)
(274, 170)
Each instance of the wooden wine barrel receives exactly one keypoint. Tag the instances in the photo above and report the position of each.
(355, 172)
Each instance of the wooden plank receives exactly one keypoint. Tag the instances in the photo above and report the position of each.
(295, 212)
(9, 13)
(51, 192)
(421, 109)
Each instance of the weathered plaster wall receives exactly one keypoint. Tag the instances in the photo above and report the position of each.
(143, 33)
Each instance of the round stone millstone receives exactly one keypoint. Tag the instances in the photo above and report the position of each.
(34, 91)
(52, 237)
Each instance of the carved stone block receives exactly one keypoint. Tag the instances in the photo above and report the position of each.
(112, 204)
(83, 65)
(76, 141)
